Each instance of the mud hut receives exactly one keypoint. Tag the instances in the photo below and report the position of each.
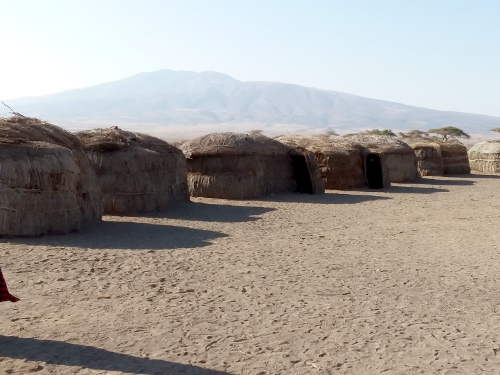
(485, 157)
(46, 183)
(341, 162)
(455, 158)
(398, 156)
(428, 156)
(242, 166)
(136, 172)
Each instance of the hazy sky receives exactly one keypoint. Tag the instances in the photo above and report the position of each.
(440, 54)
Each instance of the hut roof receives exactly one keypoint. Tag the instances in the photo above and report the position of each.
(28, 130)
(234, 144)
(422, 142)
(115, 139)
(320, 144)
(488, 147)
(380, 143)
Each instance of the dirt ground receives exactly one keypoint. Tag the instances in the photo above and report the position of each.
(398, 281)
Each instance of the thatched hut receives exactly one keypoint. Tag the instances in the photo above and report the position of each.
(341, 162)
(241, 166)
(136, 172)
(485, 157)
(455, 158)
(46, 182)
(399, 157)
(428, 156)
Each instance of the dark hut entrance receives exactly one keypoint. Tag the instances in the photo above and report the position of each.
(374, 174)
(301, 174)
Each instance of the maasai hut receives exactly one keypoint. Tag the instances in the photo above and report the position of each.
(137, 173)
(485, 157)
(428, 156)
(241, 166)
(398, 156)
(455, 158)
(46, 183)
(341, 162)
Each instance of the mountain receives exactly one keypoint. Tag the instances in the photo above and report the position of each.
(169, 97)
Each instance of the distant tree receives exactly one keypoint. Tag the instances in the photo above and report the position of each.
(496, 130)
(414, 134)
(449, 132)
(387, 132)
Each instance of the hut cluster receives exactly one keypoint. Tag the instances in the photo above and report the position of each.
(52, 181)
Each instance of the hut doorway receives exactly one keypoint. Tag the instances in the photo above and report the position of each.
(301, 174)
(374, 175)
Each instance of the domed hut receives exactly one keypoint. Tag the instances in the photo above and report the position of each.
(485, 157)
(341, 162)
(46, 183)
(455, 158)
(242, 166)
(428, 156)
(137, 173)
(399, 157)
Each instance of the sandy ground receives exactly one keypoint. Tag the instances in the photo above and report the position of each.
(402, 281)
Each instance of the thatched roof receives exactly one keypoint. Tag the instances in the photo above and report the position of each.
(233, 144)
(115, 139)
(488, 147)
(27, 130)
(46, 180)
(322, 145)
(136, 172)
(380, 143)
(423, 142)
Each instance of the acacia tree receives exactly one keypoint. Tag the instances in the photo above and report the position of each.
(496, 130)
(414, 134)
(450, 132)
(387, 132)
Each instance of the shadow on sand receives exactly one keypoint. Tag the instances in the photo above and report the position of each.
(61, 353)
(213, 212)
(451, 181)
(415, 190)
(330, 197)
(129, 236)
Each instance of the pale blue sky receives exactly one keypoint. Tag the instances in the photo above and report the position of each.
(441, 54)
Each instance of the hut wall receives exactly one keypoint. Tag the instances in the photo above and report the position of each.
(485, 157)
(402, 166)
(45, 189)
(139, 180)
(342, 170)
(429, 160)
(240, 177)
(455, 159)
(486, 163)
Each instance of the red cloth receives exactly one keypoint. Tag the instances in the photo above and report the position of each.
(4, 292)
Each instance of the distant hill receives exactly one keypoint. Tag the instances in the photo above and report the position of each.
(169, 97)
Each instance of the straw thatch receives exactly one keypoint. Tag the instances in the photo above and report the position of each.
(136, 172)
(455, 158)
(46, 182)
(239, 166)
(485, 157)
(428, 155)
(399, 157)
(340, 161)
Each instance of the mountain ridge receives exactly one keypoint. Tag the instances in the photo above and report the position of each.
(180, 98)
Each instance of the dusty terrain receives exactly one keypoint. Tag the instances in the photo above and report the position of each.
(401, 281)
